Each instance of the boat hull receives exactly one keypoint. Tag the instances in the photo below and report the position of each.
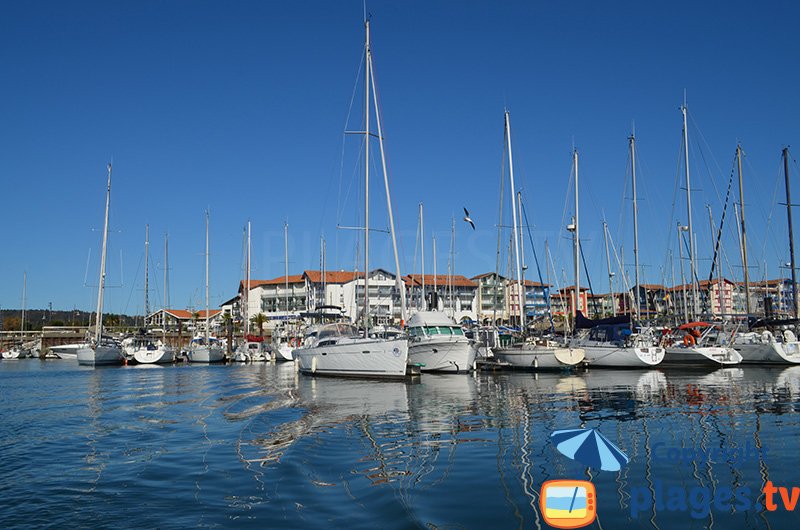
(622, 356)
(66, 351)
(99, 355)
(702, 356)
(770, 353)
(284, 353)
(160, 355)
(355, 358)
(538, 357)
(206, 354)
(442, 355)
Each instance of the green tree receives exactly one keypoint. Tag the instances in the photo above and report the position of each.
(258, 321)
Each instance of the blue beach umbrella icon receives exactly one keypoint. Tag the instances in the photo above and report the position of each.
(589, 447)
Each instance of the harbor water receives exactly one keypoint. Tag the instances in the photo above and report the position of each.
(260, 446)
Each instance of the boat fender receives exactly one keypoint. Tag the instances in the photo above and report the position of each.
(314, 365)
(689, 340)
(536, 362)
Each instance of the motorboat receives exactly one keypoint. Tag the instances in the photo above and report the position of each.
(437, 344)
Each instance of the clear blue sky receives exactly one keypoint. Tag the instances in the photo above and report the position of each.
(240, 107)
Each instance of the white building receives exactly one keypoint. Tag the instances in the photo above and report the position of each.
(455, 294)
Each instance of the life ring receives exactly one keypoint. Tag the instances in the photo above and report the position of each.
(294, 342)
(689, 340)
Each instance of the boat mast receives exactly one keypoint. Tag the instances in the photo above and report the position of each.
(146, 273)
(681, 228)
(286, 268)
(422, 241)
(435, 280)
(99, 324)
(610, 273)
(398, 279)
(515, 233)
(166, 272)
(367, 65)
(166, 286)
(791, 235)
(577, 241)
(632, 142)
(743, 232)
(246, 290)
(208, 331)
(692, 266)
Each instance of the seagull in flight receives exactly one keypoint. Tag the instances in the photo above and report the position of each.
(467, 219)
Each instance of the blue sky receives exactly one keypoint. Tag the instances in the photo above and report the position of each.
(241, 107)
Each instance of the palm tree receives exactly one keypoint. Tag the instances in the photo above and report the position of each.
(227, 323)
(259, 320)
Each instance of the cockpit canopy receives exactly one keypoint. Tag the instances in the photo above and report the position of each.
(339, 329)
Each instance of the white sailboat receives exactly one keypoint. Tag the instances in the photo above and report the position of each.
(101, 349)
(145, 350)
(529, 352)
(284, 336)
(205, 348)
(610, 342)
(249, 350)
(339, 349)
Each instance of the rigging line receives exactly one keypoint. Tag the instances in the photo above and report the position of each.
(676, 190)
(545, 289)
(567, 195)
(766, 218)
(344, 134)
(721, 226)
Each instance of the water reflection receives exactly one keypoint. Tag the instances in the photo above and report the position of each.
(261, 445)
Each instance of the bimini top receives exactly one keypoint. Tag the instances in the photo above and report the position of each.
(430, 318)
(339, 329)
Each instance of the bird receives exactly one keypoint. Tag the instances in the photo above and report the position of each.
(467, 219)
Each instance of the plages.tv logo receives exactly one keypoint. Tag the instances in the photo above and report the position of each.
(573, 503)
(568, 503)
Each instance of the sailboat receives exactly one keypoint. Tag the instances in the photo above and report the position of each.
(205, 348)
(145, 350)
(695, 348)
(22, 349)
(250, 349)
(529, 352)
(775, 343)
(101, 349)
(610, 342)
(283, 337)
(339, 348)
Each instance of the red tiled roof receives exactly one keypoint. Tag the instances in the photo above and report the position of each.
(702, 284)
(571, 288)
(332, 276)
(456, 280)
(485, 275)
(183, 314)
(280, 280)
